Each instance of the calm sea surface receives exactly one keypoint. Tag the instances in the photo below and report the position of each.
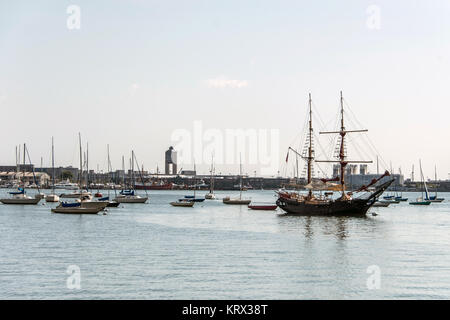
(215, 251)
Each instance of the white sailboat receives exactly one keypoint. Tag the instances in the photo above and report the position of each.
(421, 201)
(129, 195)
(211, 195)
(435, 197)
(19, 197)
(238, 201)
(52, 197)
(80, 193)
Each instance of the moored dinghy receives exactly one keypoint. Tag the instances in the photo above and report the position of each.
(262, 206)
(181, 203)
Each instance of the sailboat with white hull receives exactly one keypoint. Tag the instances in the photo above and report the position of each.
(238, 201)
(111, 203)
(19, 196)
(421, 201)
(52, 197)
(435, 197)
(346, 204)
(129, 195)
(80, 193)
(211, 195)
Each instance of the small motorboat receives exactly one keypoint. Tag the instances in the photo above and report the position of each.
(183, 203)
(381, 204)
(98, 195)
(210, 196)
(400, 198)
(262, 206)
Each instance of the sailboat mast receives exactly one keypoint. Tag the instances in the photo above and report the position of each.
(87, 166)
(23, 170)
(195, 179)
(310, 152)
(211, 181)
(109, 171)
(435, 182)
(240, 176)
(123, 169)
(132, 169)
(81, 162)
(53, 167)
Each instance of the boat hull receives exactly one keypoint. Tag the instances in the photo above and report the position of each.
(236, 201)
(21, 201)
(52, 198)
(420, 203)
(131, 200)
(76, 195)
(263, 207)
(154, 187)
(192, 199)
(356, 207)
(76, 210)
(113, 204)
(94, 204)
(183, 204)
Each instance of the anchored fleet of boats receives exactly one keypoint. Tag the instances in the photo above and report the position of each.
(313, 202)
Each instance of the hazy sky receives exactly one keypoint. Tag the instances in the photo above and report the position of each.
(138, 71)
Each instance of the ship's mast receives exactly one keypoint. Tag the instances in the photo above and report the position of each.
(211, 180)
(310, 151)
(53, 167)
(81, 162)
(240, 177)
(342, 162)
(23, 170)
(342, 157)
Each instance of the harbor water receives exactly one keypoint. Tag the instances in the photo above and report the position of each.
(217, 251)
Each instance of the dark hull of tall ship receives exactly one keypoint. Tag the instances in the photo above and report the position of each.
(332, 208)
(354, 207)
(168, 186)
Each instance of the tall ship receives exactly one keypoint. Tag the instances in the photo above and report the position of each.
(346, 204)
(155, 185)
